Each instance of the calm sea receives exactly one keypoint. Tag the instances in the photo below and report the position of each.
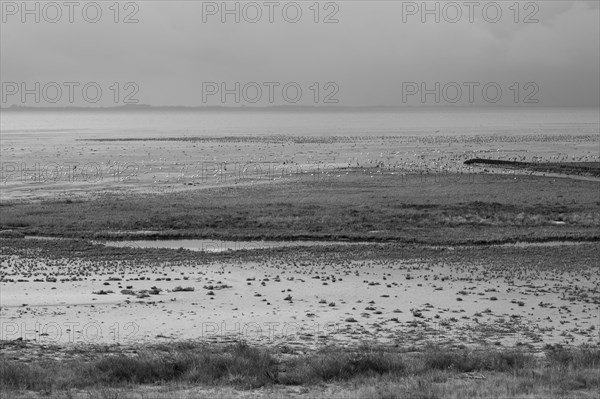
(355, 122)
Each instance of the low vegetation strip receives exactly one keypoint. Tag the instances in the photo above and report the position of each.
(567, 168)
(246, 367)
(353, 207)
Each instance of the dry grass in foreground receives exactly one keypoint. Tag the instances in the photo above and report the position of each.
(189, 370)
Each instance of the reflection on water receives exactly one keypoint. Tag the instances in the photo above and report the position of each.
(222, 246)
(207, 245)
(217, 245)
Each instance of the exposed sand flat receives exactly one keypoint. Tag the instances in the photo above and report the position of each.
(305, 304)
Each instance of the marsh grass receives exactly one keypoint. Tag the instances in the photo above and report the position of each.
(357, 206)
(466, 361)
(239, 365)
(332, 364)
(377, 372)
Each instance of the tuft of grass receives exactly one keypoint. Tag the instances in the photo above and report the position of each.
(186, 289)
(466, 360)
(239, 365)
(331, 364)
(582, 357)
(103, 292)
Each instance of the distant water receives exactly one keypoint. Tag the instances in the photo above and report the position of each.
(359, 122)
(207, 245)
(218, 245)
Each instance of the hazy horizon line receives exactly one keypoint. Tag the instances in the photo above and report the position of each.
(143, 107)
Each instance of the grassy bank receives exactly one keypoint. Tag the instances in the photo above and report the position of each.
(358, 206)
(364, 372)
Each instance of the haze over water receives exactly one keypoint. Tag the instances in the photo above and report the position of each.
(266, 122)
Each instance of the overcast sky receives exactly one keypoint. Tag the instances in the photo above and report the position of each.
(370, 55)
